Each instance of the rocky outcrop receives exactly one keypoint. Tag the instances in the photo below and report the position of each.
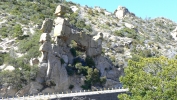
(174, 34)
(51, 70)
(52, 74)
(122, 12)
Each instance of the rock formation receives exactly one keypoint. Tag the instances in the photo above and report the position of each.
(51, 70)
(56, 57)
(174, 34)
(122, 12)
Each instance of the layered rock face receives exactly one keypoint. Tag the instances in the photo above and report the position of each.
(122, 12)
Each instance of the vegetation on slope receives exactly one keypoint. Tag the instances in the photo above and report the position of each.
(150, 79)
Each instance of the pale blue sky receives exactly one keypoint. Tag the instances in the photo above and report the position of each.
(141, 8)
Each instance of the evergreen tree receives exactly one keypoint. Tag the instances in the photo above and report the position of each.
(150, 79)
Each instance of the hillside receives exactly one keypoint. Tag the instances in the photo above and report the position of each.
(125, 36)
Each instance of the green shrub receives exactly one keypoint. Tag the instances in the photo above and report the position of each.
(150, 79)
(62, 61)
(112, 58)
(73, 52)
(113, 23)
(90, 62)
(80, 24)
(93, 78)
(12, 78)
(108, 23)
(119, 33)
(17, 30)
(1, 59)
(131, 33)
(88, 27)
(70, 70)
(30, 46)
(90, 11)
(81, 69)
(71, 87)
(102, 80)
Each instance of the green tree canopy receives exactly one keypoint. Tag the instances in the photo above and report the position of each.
(150, 79)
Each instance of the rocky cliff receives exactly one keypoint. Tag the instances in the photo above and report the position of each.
(73, 47)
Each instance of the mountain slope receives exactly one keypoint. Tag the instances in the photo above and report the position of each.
(124, 38)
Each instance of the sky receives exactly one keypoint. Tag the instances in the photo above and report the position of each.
(141, 8)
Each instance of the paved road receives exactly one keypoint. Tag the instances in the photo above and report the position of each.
(52, 96)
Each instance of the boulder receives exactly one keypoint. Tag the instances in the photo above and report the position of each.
(107, 13)
(10, 68)
(62, 27)
(174, 34)
(2, 66)
(74, 8)
(122, 12)
(114, 38)
(44, 37)
(60, 10)
(130, 26)
(47, 25)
